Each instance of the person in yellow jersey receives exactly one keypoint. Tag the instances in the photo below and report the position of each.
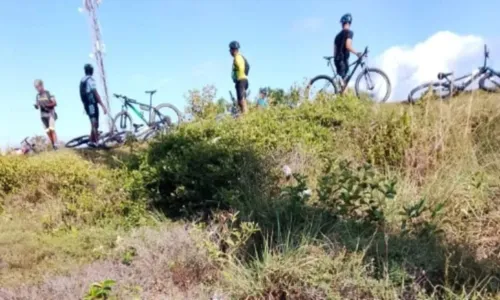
(240, 75)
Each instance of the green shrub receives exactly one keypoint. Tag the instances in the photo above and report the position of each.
(83, 193)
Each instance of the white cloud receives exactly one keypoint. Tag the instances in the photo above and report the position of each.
(308, 25)
(445, 51)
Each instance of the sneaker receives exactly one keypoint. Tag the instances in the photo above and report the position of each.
(54, 147)
(92, 145)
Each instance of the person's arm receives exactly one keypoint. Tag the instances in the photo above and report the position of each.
(37, 103)
(348, 43)
(53, 99)
(98, 98)
(93, 88)
(334, 49)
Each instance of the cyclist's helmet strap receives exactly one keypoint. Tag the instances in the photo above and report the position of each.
(347, 18)
(234, 45)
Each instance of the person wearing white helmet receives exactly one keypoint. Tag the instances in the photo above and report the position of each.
(46, 102)
(342, 47)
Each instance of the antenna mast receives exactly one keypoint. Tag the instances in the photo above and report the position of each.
(98, 49)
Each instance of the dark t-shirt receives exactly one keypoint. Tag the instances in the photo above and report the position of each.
(42, 100)
(340, 43)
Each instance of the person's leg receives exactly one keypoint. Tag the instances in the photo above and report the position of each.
(241, 94)
(46, 127)
(341, 67)
(52, 131)
(94, 123)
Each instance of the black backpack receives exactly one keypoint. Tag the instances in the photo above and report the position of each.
(247, 66)
(83, 91)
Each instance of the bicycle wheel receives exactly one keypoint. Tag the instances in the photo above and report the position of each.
(167, 115)
(84, 139)
(117, 139)
(328, 87)
(151, 134)
(490, 83)
(375, 79)
(437, 90)
(122, 122)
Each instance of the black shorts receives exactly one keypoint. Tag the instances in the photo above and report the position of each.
(92, 111)
(342, 66)
(241, 89)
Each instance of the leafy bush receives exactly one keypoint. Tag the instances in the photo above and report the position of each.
(355, 193)
(184, 175)
(85, 194)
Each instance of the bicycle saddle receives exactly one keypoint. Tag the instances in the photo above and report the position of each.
(137, 126)
(328, 57)
(150, 92)
(444, 75)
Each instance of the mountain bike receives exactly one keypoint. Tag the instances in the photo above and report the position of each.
(232, 110)
(447, 86)
(156, 120)
(367, 74)
(85, 139)
(119, 138)
(26, 148)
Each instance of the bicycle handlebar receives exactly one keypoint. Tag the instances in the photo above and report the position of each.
(363, 54)
(125, 98)
(486, 56)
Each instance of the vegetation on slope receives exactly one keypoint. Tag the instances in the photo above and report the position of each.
(385, 202)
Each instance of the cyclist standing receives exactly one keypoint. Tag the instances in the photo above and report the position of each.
(239, 75)
(47, 103)
(90, 98)
(342, 47)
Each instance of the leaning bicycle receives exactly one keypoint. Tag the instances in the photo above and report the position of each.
(162, 117)
(447, 86)
(232, 110)
(371, 77)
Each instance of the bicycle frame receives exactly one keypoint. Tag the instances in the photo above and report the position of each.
(358, 62)
(129, 103)
(484, 69)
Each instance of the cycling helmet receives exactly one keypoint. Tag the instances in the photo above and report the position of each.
(88, 69)
(234, 45)
(347, 18)
(38, 82)
(263, 91)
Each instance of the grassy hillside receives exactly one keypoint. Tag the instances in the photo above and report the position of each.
(385, 202)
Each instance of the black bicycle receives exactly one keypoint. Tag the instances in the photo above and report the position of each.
(334, 82)
(232, 109)
(156, 120)
(447, 86)
(85, 139)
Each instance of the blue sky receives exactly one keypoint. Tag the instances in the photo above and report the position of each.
(177, 45)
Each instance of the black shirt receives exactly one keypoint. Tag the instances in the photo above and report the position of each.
(340, 43)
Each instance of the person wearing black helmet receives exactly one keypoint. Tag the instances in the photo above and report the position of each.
(239, 75)
(90, 98)
(342, 47)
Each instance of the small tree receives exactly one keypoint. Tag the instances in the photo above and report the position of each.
(201, 104)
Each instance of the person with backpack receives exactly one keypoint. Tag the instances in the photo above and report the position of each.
(240, 75)
(90, 98)
(342, 47)
(46, 102)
